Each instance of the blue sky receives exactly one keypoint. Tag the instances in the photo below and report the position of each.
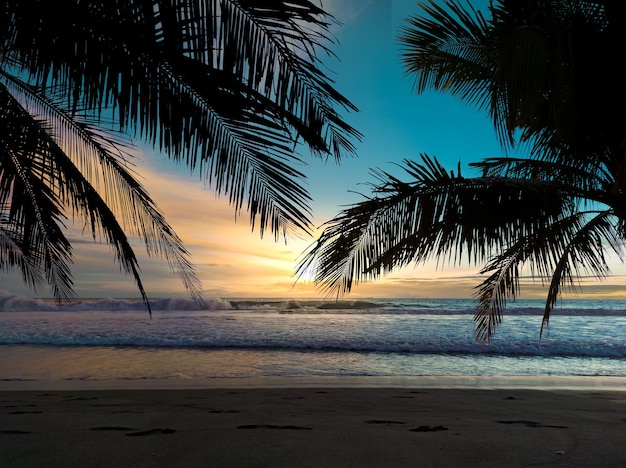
(396, 124)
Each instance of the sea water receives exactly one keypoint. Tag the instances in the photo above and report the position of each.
(112, 339)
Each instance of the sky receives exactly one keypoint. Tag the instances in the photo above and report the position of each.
(233, 261)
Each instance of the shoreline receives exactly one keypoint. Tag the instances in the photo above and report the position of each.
(570, 383)
(312, 426)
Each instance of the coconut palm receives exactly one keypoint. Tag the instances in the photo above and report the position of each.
(227, 87)
(548, 74)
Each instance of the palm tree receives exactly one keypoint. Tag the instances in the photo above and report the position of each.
(227, 87)
(549, 74)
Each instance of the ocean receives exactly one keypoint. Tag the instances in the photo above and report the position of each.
(184, 341)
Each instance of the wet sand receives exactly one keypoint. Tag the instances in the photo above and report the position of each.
(312, 426)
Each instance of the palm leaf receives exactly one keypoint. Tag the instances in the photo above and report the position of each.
(444, 50)
(195, 79)
(31, 214)
(560, 250)
(545, 72)
(73, 145)
(435, 215)
(586, 180)
(226, 86)
(12, 257)
(583, 253)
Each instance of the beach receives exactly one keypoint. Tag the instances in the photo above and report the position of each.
(314, 422)
(393, 383)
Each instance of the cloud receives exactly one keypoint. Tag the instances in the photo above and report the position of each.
(229, 257)
(233, 261)
(345, 11)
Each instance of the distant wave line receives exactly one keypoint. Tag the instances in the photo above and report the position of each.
(14, 303)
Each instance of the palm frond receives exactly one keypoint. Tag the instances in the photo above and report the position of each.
(510, 64)
(545, 72)
(32, 216)
(584, 253)
(12, 257)
(560, 250)
(219, 84)
(499, 287)
(443, 49)
(227, 86)
(436, 214)
(84, 163)
(583, 181)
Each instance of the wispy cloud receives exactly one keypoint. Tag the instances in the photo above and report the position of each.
(232, 261)
(229, 257)
(345, 11)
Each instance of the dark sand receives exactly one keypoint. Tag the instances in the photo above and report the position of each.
(312, 427)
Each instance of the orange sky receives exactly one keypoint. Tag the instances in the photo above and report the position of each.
(232, 261)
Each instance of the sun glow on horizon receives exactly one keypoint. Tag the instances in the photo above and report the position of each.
(231, 261)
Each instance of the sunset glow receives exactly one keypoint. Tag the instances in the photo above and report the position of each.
(233, 261)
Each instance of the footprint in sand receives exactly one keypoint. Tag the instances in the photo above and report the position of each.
(429, 429)
(111, 428)
(531, 424)
(151, 432)
(383, 421)
(272, 426)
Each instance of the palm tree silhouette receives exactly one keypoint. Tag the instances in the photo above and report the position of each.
(548, 74)
(226, 87)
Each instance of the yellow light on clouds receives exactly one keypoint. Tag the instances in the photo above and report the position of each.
(233, 261)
